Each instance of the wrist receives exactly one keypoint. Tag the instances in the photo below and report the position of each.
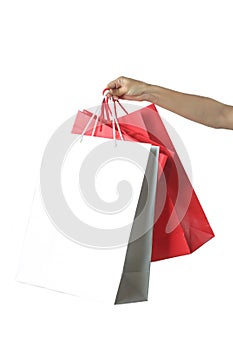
(151, 93)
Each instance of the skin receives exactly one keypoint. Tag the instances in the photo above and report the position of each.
(203, 110)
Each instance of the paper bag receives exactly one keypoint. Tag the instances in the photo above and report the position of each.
(79, 241)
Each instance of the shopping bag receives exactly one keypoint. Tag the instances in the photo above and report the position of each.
(78, 243)
(181, 225)
(134, 283)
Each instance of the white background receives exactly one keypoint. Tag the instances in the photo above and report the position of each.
(56, 57)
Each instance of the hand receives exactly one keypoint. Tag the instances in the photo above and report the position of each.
(128, 89)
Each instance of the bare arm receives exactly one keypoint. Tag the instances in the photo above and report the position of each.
(200, 109)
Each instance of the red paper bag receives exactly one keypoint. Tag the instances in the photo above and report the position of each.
(181, 225)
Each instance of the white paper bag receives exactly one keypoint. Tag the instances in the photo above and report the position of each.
(82, 215)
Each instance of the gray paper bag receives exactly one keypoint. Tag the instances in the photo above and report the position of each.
(134, 282)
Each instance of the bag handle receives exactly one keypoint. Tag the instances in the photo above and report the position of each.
(115, 118)
(104, 114)
(114, 100)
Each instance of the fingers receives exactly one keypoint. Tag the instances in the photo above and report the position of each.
(112, 85)
(127, 89)
(117, 88)
(116, 84)
(116, 92)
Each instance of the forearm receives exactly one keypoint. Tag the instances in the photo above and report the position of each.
(200, 109)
